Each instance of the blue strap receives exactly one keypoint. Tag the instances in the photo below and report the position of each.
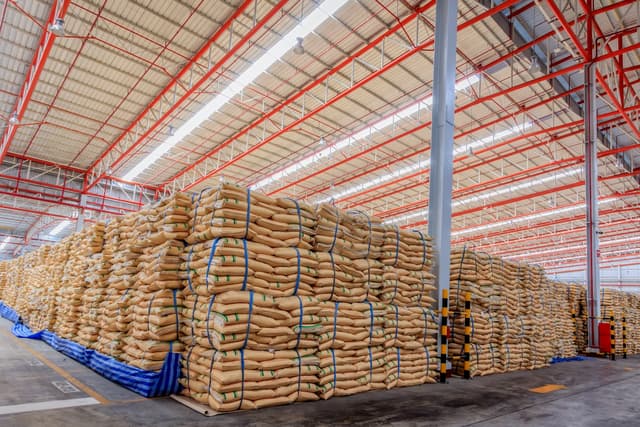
(398, 357)
(189, 369)
(242, 381)
(149, 312)
(395, 290)
(175, 309)
(335, 375)
(428, 357)
(214, 246)
(299, 371)
(335, 320)
(300, 233)
(335, 230)
(371, 316)
(333, 269)
(397, 245)
(189, 269)
(248, 218)
(370, 366)
(213, 359)
(193, 317)
(213, 298)
(424, 337)
(300, 319)
(246, 338)
(423, 285)
(397, 322)
(424, 247)
(295, 289)
(246, 265)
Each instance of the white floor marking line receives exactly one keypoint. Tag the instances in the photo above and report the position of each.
(44, 406)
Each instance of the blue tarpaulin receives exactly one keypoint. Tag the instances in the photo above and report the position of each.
(568, 359)
(146, 383)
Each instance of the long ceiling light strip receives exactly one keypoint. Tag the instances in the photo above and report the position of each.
(58, 228)
(259, 66)
(4, 243)
(494, 193)
(367, 132)
(559, 249)
(423, 214)
(424, 164)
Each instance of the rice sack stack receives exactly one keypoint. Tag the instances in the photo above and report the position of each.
(407, 257)
(352, 354)
(117, 313)
(411, 349)
(69, 298)
(229, 210)
(92, 301)
(241, 327)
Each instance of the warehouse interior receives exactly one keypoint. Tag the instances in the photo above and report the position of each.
(474, 164)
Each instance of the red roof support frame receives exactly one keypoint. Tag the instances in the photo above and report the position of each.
(58, 10)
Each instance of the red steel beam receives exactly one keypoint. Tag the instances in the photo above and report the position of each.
(91, 182)
(33, 75)
(336, 98)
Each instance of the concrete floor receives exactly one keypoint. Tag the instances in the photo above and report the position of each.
(598, 393)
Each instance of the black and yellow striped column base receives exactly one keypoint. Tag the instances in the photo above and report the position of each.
(444, 331)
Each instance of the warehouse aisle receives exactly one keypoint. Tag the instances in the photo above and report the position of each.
(598, 392)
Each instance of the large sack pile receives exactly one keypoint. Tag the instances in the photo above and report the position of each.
(158, 301)
(578, 308)
(92, 300)
(511, 314)
(249, 275)
(561, 322)
(117, 310)
(73, 285)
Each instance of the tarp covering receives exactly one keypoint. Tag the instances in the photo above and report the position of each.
(146, 383)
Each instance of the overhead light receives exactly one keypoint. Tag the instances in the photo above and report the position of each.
(299, 49)
(424, 212)
(58, 228)
(14, 119)
(535, 65)
(425, 164)
(362, 134)
(57, 27)
(4, 242)
(171, 130)
(322, 141)
(262, 64)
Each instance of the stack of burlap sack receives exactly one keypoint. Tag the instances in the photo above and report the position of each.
(578, 308)
(117, 310)
(250, 324)
(158, 300)
(73, 285)
(92, 301)
(561, 322)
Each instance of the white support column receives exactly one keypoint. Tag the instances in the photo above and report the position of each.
(441, 174)
(591, 181)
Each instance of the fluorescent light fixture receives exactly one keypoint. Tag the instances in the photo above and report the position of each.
(4, 242)
(521, 186)
(14, 119)
(528, 217)
(565, 248)
(259, 66)
(57, 27)
(58, 228)
(425, 212)
(495, 193)
(424, 164)
(362, 134)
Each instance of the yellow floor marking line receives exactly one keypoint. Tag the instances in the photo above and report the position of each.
(548, 388)
(64, 374)
(629, 369)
